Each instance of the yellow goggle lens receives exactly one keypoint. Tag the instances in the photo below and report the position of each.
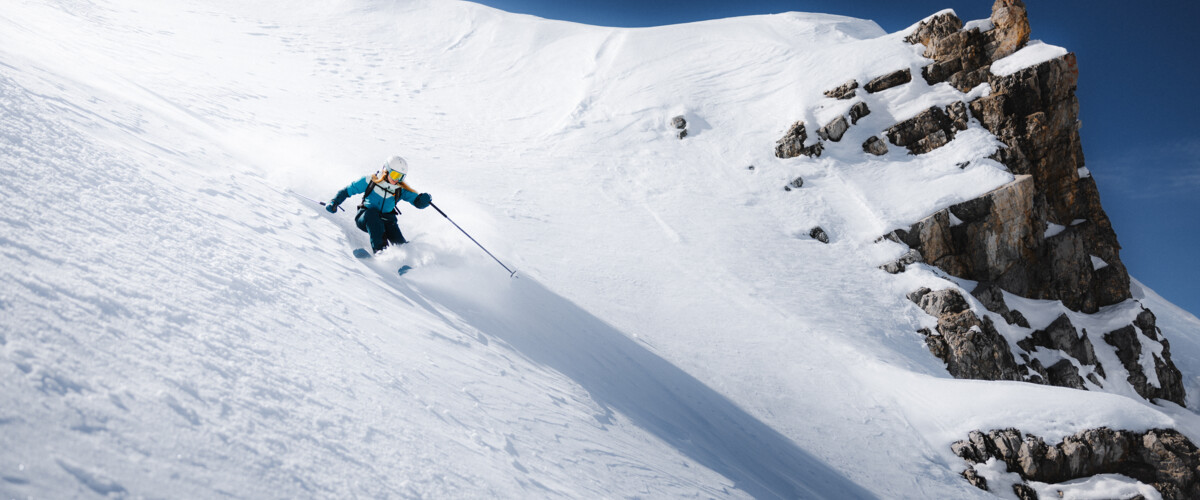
(395, 175)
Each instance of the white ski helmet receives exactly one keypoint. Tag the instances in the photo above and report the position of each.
(396, 168)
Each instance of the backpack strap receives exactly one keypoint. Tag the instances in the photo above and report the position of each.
(363, 201)
(376, 180)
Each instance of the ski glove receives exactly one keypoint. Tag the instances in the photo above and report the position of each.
(332, 206)
(423, 200)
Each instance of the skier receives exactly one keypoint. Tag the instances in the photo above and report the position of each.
(377, 212)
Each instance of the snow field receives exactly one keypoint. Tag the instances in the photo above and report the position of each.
(177, 321)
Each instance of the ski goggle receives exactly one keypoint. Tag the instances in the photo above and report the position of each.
(394, 175)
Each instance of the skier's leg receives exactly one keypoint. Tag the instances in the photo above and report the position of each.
(392, 231)
(372, 218)
(360, 219)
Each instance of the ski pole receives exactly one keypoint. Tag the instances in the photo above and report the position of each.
(314, 201)
(511, 273)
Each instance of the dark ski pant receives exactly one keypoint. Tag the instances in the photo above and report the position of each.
(380, 226)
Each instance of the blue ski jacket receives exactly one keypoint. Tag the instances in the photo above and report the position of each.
(382, 195)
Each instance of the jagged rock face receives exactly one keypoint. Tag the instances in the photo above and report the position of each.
(1038, 236)
(970, 347)
(999, 238)
(1164, 459)
(992, 298)
(1035, 113)
(963, 58)
(1011, 31)
(931, 31)
(959, 56)
(1062, 335)
(973, 349)
(993, 238)
(1002, 241)
(1130, 351)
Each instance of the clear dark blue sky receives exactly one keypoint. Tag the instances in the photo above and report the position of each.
(1138, 89)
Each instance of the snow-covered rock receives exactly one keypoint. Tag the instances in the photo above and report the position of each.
(1162, 458)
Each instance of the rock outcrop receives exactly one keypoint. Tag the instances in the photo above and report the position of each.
(819, 234)
(858, 111)
(1010, 29)
(968, 342)
(843, 91)
(680, 124)
(834, 130)
(970, 346)
(963, 57)
(1034, 112)
(894, 79)
(1061, 335)
(992, 298)
(875, 146)
(792, 143)
(993, 238)
(1044, 235)
(1039, 235)
(1130, 342)
(932, 129)
(1162, 458)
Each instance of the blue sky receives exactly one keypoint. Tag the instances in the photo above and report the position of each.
(1137, 93)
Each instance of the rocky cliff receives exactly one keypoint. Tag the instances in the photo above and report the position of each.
(1042, 236)
(1060, 224)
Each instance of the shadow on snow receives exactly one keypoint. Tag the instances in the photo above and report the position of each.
(654, 394)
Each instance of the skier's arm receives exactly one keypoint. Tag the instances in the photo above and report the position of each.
(339, 198)
(407, 193)
(356, 187)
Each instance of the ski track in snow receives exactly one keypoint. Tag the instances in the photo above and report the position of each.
(174, 321)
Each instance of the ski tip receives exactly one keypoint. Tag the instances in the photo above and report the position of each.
(362, 253)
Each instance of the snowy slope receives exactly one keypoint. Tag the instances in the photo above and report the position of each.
(177, 322)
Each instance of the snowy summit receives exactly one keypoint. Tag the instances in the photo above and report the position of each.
(786, 256)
